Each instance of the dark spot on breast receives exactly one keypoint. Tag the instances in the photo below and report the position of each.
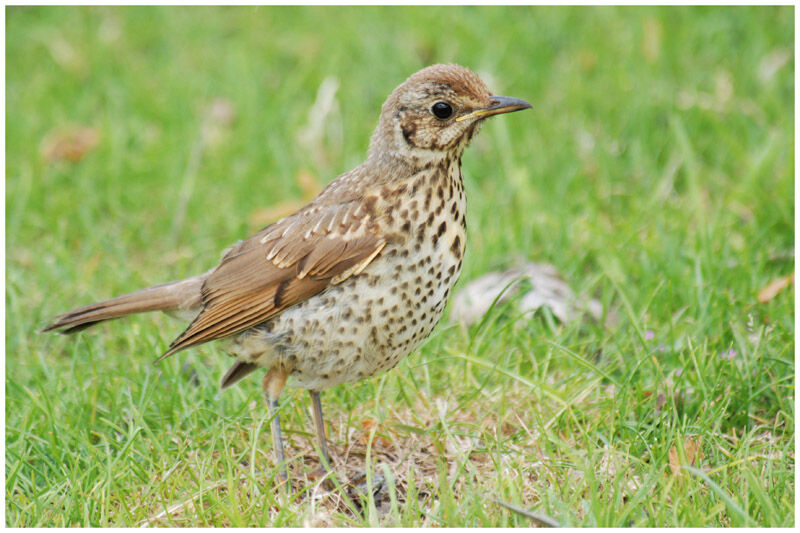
(369, 204)
(441, 230)
(456, 247)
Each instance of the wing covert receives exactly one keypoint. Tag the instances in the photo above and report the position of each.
(284, 264)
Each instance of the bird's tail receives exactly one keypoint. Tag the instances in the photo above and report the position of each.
(172, 296)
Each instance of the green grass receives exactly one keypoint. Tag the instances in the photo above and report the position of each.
(655, 172)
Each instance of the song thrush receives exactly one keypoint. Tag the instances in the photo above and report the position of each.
(355, 280)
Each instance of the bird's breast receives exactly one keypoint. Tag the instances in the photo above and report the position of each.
(371, 320)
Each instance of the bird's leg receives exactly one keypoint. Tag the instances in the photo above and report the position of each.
(273, 384)
(320, 426)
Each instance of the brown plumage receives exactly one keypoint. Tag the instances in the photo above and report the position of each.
(173, 296)
(352, 282)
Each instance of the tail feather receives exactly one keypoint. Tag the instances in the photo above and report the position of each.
(237, 372)
(172, 296)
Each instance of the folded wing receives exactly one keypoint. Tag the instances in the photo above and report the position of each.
(286, 263)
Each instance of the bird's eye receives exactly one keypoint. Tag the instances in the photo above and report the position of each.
(442, 110)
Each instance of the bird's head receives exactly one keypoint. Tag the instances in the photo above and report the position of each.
(436, 112)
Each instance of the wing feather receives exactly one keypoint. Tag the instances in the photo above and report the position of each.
(283, 265)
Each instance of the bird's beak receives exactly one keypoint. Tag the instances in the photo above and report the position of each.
(500, 104)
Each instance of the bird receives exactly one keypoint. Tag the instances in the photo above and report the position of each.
(352, 282)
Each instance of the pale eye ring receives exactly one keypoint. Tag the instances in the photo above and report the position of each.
(442, 110)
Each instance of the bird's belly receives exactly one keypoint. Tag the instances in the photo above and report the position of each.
(369, 322)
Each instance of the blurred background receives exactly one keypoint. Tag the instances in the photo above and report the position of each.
(655, 174)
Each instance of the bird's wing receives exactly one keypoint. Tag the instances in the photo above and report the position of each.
(284, 264)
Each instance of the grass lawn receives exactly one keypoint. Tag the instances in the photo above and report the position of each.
(655, 172)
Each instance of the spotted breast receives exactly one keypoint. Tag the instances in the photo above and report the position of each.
(353, 330)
